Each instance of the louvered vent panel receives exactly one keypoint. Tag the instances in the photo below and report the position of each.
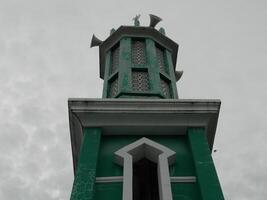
(113, 88)
(140, 81)
(161, 60)
(115, 59)
(138, 52)
(165, 88)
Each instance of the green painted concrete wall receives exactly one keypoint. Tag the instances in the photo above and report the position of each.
(108, 191)
(84, 182)
(193, 158)
(184, 165)
(205, 170)
(185, 191)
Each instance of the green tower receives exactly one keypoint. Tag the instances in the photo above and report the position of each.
(140, 142)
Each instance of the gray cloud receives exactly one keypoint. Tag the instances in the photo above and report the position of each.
(45, 59)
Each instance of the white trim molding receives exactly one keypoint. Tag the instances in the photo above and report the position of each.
(183, 179)
(157, 153)
(118, 179)
(109, 179)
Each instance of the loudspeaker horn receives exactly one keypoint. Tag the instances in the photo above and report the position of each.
(154, 20)
(178, 75)
(95, 41)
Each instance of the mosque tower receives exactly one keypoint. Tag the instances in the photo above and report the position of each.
(140, 141)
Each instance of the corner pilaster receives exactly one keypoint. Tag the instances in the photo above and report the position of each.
(84, 182)
(206, 174)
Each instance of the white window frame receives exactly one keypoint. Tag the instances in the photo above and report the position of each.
(155, 152)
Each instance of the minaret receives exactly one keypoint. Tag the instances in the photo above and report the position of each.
(140, 141)
(138, 62)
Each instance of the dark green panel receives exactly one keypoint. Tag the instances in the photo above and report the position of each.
(107, 66)
(185, 191)
(172, 75)
(125, 63)
(184, 165)
(153, 66)
(108, 191)
(206, 174)
(83, 187)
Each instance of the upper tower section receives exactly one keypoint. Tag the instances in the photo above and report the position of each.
(138, 62)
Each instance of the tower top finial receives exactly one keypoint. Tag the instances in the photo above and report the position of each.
(136, 20)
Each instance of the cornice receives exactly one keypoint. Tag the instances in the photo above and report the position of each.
(141, 117)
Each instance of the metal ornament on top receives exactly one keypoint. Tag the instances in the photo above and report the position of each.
(138, 62)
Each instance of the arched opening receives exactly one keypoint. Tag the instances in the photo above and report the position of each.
(145, 164)
(145, 180)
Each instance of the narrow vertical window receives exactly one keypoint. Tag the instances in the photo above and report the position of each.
(145, 170)
(145, 180)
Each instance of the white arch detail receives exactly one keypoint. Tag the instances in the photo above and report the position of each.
(146, 148)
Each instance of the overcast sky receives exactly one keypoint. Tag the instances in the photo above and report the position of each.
(45, 59)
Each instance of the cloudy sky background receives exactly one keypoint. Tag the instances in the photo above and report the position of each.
(45, 59)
